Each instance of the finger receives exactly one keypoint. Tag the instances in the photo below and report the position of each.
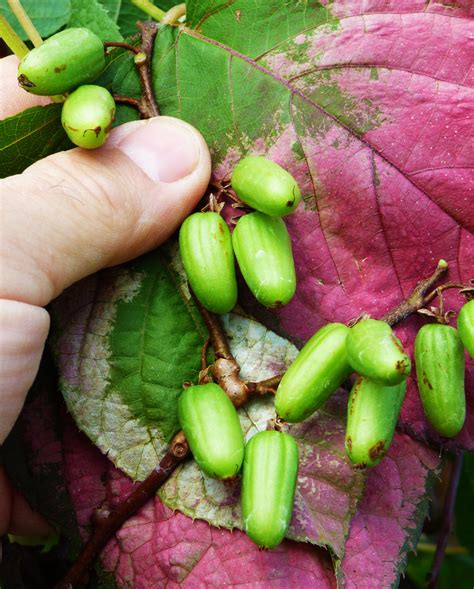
(14, 99)
(23, 331)
(16, 515)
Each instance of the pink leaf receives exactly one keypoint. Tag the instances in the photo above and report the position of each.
(387, 524)
(158, 548)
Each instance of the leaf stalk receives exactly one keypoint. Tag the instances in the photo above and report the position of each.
(25, 21)
(13, 41)
(149, 8)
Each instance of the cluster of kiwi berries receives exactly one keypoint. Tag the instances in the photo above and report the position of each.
(209, 420)
(65, 64)
(369, 348)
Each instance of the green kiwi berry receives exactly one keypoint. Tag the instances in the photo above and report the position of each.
(63, 62)
(466, 326)
(265, 186)
(212, 428)
(262, 247)
(372, 414)
(316, 373)
(206, 250)
(439, 360)
(87, 116)
(376, 353)
(268, 486)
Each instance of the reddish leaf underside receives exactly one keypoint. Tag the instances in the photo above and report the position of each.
(389, 517)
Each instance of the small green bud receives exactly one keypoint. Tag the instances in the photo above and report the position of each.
(63, 62)
(87, 116)
(262, 247)
(206, 250)
(316, 373)
(265, 186)
(212, 428)
(376, 353)
(439, 360)
(372, 414)
(466, 326)
(268, 486)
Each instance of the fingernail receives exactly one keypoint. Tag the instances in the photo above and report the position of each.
(165, 150)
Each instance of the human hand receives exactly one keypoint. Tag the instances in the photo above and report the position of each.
(68, 216)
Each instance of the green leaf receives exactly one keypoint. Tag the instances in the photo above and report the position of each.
(128, 17)
(138, 348)
(457, 570)
(48, 16)
(219, 20)
(125, 114)
(112, 7)
(92, 15)
(30, 136)
(464, 522)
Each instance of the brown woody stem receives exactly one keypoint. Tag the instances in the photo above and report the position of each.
(119, 99)
(417, 299)
(265, 387)
(149, 107)
(107, 522)
(122, 45)
(216, 333)
(448, 522)
(143, 55)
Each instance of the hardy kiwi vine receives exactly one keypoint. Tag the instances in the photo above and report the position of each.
(224, 370)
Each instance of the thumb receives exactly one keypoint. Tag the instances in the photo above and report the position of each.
(76, 212)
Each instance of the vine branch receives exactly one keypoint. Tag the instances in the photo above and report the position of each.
(447, 522)
(143, 56)
(143, 61)
(417, 300)
(107, 521)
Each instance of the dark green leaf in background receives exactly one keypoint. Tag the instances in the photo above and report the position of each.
(92, 15)
(112, 7)
(457, 571)
(125, 114)
(464, 523)
(30, 136)
(48, 16)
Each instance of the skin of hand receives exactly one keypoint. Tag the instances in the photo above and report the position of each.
(66, 217)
